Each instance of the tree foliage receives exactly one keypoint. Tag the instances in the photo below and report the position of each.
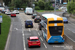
(71, 7)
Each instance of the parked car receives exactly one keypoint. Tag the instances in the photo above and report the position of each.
(62, 8)
(37, 19)
(34, 15)
(16, 11)
(13, 15)
(3, 11)
(33, 41)
(8, 12)
(65, 20)
(28, 24)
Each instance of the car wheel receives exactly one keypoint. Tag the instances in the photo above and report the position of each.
(25, 27)
(32, 26)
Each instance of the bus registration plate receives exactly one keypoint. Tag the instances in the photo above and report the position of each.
(56, 41)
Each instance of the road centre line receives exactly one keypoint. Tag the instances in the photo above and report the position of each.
(45, 45)
(38, 34)
(41, 38)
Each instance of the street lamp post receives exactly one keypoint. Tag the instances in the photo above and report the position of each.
(55, 7)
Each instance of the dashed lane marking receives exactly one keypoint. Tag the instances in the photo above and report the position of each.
(41, 38)
(45, 45)
(38, 34)
(29, 30)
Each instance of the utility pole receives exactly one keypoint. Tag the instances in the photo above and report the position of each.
(55, 7)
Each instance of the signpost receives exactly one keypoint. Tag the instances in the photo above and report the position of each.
(0, 23)
(33, 7)
(55, 7)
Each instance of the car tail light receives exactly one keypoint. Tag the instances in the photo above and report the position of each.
(40, 18)
(38, 41)
(29, 41)
(25, 23)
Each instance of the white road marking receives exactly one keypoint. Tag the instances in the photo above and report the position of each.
(73, 23)
(73, 31)
(38, 34)
(36, 29)
(70, 38)
(45, 45)
(70, 30)
(41, 38)
(23, 39)
(29, 30)
(16, 28)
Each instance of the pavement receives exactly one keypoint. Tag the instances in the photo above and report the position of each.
(19, 35)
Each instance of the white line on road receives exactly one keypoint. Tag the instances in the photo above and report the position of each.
(23, 39)
(70, 30)
(41, 38)
(70, 38)
(29, 30)
(45, 45)
(16, 28)
(36, 29)
(38, 34)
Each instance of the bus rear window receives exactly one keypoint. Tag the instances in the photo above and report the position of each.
(55, 21)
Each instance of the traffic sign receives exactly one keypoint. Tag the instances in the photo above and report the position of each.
(0, 19)
(33, 5)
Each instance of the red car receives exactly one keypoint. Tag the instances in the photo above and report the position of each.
(33, 41)
(13, 15)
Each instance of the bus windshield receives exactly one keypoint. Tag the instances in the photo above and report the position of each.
(55, 30)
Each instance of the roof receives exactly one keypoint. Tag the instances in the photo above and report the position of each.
(28, 20)
(50, 16)
(33, 37)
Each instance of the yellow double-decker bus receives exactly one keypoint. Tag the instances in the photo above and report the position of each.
(52, 27)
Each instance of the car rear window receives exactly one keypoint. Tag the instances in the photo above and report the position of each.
(29, 21)
(34, 40)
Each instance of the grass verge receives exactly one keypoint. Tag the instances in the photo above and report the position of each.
(46, 10)
(5, 26)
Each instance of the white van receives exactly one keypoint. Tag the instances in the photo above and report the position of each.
(2, 8)
(28, 10)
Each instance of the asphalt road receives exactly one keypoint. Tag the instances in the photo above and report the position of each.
(35, 32)
(19, 35)
(16, 41)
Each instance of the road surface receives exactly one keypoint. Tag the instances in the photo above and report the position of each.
(19, 35)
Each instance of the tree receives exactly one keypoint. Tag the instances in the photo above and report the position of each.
(71, 7)
(41, 4)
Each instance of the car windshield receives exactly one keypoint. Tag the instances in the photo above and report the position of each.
(64, 18)
(34, 40)
(37, 17)
(34, 14)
